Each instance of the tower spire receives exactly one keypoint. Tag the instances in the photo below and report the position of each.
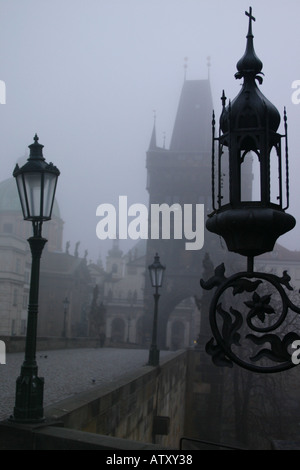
(152, 144)
(185, 67)
(208, 67)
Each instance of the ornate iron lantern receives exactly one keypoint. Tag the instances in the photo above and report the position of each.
(156, 271)
(251, 332)
(36, 182)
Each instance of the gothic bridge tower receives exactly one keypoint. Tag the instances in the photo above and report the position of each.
(182, 175)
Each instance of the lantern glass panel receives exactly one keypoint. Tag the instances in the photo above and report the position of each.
(156, 276)
(33, 183)
(22, 196)
(50, 180)
(152, 277)
(37, 191)
(159, 276)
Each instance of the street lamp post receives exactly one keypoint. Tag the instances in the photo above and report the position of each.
(36, 183)
(66, 305)
(156, 271)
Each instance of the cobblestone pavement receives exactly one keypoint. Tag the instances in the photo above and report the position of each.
(69, 371)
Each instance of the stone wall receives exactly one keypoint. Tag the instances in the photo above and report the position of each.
(138, 407)
(203, 398)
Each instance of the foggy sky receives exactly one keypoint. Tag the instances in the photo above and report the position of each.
(86, 76)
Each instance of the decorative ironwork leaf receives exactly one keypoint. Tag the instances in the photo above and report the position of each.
(230, 328)
(215, 280)
(218, 356)
(244, 285)
(285, 280)
(279, 347)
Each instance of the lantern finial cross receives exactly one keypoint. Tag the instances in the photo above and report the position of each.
(251, 18)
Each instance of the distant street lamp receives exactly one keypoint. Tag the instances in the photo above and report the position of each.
(36, 182)
(156, 271)
(66, 305)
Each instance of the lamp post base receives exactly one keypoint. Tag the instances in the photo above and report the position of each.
(153, 356)
(29, 399)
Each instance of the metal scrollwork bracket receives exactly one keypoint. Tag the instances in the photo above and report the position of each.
(252, 321)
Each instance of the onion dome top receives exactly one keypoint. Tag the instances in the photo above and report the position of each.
(250, 109)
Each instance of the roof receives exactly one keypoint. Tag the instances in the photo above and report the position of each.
(280, 253)
(192, 128)
(9, 198)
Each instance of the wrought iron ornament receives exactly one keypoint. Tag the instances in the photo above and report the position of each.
(256, 333)
(250, 311)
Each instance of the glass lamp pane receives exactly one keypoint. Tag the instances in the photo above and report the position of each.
(156, 271)
(156, 275)
(22, 196)
(33, 190)
(152, 277)
(159, 276)
(49, 191)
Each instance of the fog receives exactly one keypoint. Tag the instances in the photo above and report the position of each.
(88, 77)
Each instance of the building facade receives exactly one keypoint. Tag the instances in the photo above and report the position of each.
(122, 292)
(61, 275)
